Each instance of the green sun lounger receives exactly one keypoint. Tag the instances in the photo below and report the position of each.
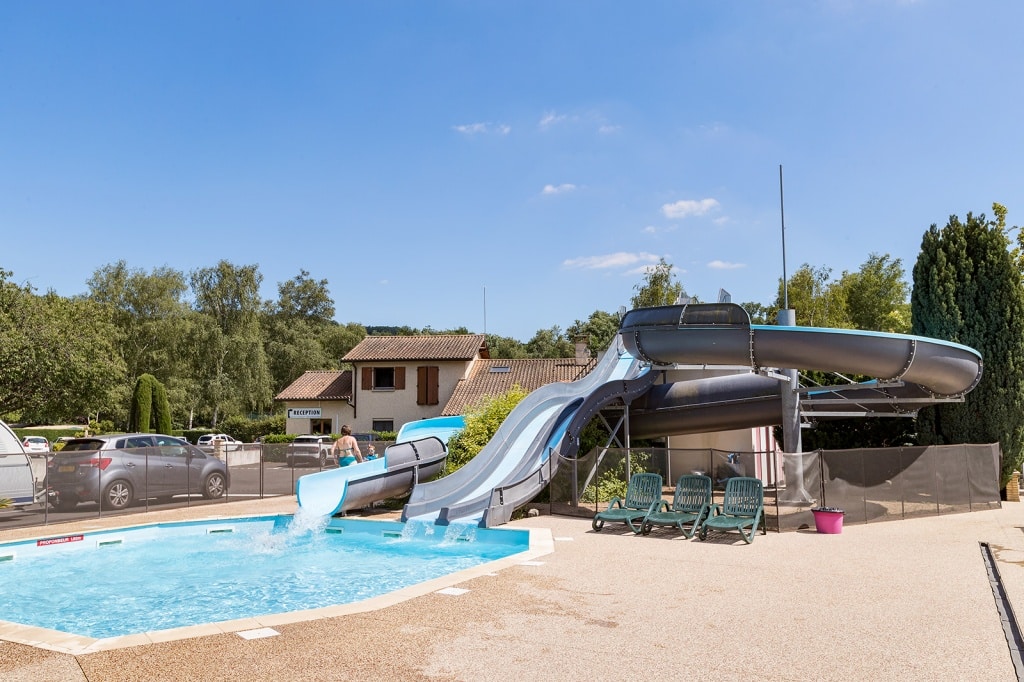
(742, 507)
(690, 505)
(642, 493)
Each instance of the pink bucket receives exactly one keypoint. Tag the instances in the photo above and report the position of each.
(829, 521)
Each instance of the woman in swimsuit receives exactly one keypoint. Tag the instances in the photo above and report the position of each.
(346, 448)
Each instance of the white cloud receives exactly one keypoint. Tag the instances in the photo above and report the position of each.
(621, 259)
(483, 128)
(689, 207)
(654, 229)
(550, 118)
(608, 129)
(557, 189)
(725, 265)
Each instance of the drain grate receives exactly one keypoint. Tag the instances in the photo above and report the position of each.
(1010, 627)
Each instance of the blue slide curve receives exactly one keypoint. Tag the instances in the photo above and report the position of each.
(524, 453)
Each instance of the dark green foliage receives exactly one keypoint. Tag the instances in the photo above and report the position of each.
(142, 403)
(161, 408)
(149, 401)
(967, 289)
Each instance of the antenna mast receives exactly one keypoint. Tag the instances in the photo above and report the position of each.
(782, 213)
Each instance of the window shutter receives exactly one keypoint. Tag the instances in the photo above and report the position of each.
(433, 380)
(367, 382)
(421, 385)
(399, 378)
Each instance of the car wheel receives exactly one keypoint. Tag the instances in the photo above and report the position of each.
(214, 486)
(65, 505)
(118, 495)
(323, 459)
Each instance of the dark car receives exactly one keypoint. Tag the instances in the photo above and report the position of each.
(119, 469)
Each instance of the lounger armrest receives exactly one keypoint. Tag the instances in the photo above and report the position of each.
(615, 501)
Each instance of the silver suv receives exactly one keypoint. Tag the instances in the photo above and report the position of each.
(311, 449)
(119, 469)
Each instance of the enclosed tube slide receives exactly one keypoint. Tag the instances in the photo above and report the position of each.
(912, 371)
(402, 466)
(524, 453)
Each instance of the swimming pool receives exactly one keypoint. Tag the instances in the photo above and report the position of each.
(116, 583)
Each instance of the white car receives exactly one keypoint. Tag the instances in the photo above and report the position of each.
(35, 444)
(208, 441)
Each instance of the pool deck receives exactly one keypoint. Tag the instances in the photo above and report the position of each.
(899, 600)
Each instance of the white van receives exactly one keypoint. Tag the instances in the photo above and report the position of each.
(16, 480)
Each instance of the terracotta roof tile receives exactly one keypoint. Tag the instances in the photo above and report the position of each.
(428, 347)
(494, 377)
(321, 384)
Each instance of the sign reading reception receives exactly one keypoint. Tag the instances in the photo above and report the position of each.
(303, 412)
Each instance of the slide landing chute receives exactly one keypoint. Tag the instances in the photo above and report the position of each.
(334, 491)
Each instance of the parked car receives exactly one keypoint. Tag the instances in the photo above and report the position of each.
(35, 444)
(119, 469)
(309, 449)
(208, 441)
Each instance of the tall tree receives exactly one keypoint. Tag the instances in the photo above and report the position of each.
(599, 331)
(149, 311)
(967, 289)
(817, 302)
(231, 363)
(877, 295)
(57, 357)
(660, 287)
(550, 343)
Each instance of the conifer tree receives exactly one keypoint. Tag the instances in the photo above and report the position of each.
(967, 289)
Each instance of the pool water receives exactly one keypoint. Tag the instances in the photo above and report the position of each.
(113, 583)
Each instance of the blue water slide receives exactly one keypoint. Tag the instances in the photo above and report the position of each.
(441, 428)
(517, 462)
(353, 487)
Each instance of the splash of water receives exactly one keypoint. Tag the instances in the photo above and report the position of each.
(305, 522)
(460, 532)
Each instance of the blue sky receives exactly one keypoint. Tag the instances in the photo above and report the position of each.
(508, 164)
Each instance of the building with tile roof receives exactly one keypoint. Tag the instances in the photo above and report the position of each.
(398, 379)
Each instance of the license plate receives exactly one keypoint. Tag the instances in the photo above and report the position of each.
(66, 468)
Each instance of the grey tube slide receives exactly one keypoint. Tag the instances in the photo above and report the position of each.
(355, 486)
(929, 370)
(543, 429)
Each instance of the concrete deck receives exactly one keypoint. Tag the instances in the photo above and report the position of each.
(901, 600)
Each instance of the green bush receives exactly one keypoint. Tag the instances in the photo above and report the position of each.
(482, 422)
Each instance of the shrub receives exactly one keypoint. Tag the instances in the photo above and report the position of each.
(482, 422)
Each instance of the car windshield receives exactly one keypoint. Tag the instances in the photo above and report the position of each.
(307, 439)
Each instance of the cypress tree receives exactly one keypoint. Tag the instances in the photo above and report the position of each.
(142, 403)
(161, 408)
(968, 290)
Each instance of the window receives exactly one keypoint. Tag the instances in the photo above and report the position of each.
(383, 425)
(383, 378)
(321, 426)
(427, 385)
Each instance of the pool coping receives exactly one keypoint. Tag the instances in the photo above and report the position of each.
(541, 543)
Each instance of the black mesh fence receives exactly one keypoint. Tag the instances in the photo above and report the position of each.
(869, 485)
(886, 484)
(254, 471)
